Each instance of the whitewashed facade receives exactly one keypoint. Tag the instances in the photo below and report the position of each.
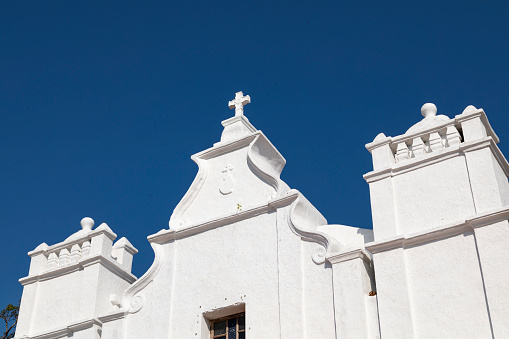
(242, 242)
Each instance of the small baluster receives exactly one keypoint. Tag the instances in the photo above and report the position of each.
(453, 136)
(52, 260)
(402, 152)
(435, 142)
(63, 257)
(75, 253)
(418, 147)
(85, 249)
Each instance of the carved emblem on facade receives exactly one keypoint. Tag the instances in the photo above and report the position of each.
(227, 182)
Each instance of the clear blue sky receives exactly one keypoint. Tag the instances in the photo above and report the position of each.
(102, 103)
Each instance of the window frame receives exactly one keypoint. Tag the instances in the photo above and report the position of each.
(237, 331)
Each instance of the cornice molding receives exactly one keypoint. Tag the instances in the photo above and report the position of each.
(358, 253)
(80, 265)
(237, 118)
(124, 244)
(378, 142)
(81, 325)
(167, 235)
(430, 159)
(42, 248)
(66, 331)
(439, 233)
(117, 315)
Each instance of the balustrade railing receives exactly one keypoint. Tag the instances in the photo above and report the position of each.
(431, 141)
(68, 255)
(432, 135)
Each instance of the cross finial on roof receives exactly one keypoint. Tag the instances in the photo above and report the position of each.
(239, 102)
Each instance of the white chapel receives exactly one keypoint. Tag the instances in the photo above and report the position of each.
(246, 256)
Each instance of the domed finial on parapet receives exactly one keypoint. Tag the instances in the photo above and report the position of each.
(379, 137)
(87, 224)
(429, 110)
(469, 109)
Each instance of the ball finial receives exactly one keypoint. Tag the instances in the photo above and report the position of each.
(429, 110)
(87, 223)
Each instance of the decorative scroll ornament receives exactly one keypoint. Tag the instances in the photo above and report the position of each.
(136, 303)
(319, 256)
(133, 295)
(304, 221)
(227, 182)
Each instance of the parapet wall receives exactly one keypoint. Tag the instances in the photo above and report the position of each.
(440, 171)
(439, 197)
(71, 283)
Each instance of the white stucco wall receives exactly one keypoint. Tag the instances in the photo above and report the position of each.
(258, 265)
(433, 195)
(435, 259)
(225, 266)
(241, 240)
(446, 289)
(491, 244)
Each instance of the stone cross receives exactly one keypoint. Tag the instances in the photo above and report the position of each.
(239, 102)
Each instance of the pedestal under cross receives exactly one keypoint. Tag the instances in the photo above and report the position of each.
(239, 102)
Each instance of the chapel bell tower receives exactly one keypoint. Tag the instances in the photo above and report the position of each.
(439, 198)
